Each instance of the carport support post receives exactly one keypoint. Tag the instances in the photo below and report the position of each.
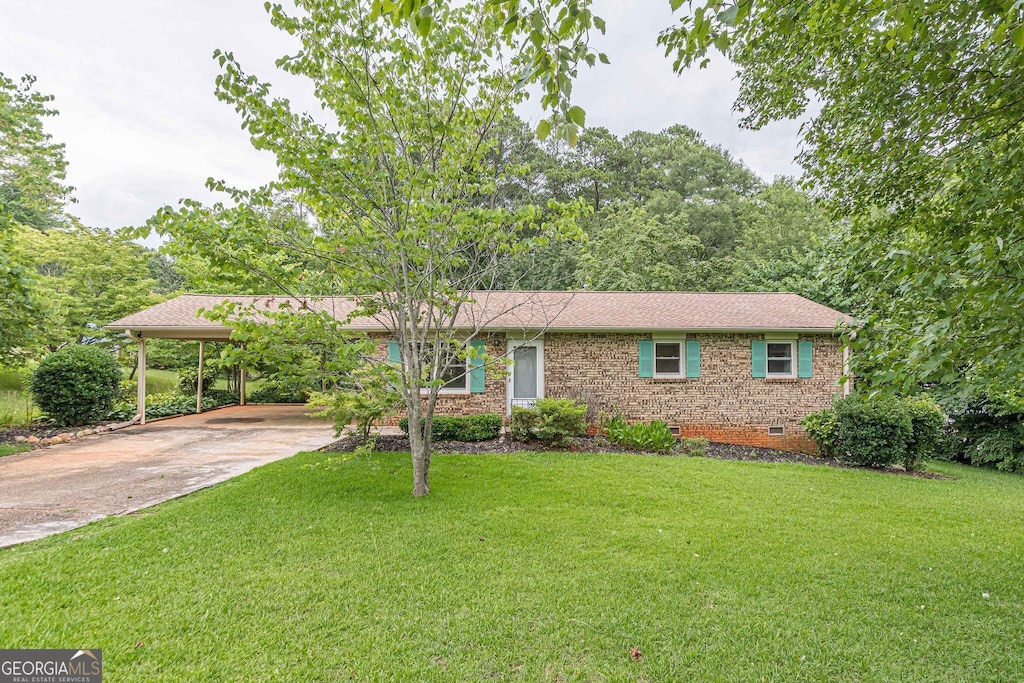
(199, 379)
(141, 383)
(241, 386)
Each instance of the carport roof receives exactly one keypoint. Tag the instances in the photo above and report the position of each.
(180, 317)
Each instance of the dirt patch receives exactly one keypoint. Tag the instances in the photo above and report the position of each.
(599, 444)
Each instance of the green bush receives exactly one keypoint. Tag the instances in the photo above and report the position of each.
(984, 430)
(878, 431)
(927, 422)
(76, 385)
(693, 446)
(649, 437)
(552, 421)
(278, 392)
(188, 380)
(872, 432)
(524, 420)
(823, 428)
(482, 427)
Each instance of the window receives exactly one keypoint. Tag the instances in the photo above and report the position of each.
(455, 376)
(780, 359)
(668, 359)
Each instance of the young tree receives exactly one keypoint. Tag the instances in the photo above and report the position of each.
(396, 181)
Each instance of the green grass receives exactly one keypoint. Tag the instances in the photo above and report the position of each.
(11, 449)
(542, 567)
(161, 381)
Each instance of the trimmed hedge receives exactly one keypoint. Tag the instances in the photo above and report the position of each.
(551, 420)
(875, 432)
(483, 427)
(76, 385)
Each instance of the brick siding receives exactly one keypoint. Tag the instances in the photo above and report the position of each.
(724, 404)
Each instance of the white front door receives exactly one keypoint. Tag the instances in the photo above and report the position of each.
(526, 376)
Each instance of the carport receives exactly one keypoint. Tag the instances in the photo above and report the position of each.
(181, 318)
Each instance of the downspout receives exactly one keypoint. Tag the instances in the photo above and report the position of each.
(848, 384)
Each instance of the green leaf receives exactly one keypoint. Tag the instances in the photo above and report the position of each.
(577, 115)
(543, 129)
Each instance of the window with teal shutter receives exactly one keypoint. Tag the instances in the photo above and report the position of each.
(646, 358)
(394, 353)
(693, 358)
(759, 359)
(476, 366)
(805, 352)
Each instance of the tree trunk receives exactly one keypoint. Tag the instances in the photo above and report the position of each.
(418, 445)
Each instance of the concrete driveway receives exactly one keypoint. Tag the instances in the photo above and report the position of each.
(61, 487)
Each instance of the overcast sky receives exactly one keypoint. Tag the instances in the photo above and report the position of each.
(133, 81)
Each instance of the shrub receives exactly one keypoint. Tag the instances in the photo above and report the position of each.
(76, 385)
(984, 429)
(927, 422)
(279, 392)
(551, 420)
(693, 446)
(652, 437)
(188, 380)
(524, 420)
(823, 428)
(872, 432)
(368, 397)
(483, 427)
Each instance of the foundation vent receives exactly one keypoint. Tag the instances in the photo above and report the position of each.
(675, 429)
(776, 430)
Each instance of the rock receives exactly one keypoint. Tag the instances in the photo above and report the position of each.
(64, 437)
(33, 439)
(87, 432)
(79, 434)
(21, 439)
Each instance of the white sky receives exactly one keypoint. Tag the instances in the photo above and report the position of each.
(133, 81)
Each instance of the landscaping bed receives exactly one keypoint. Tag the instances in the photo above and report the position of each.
(598, 444)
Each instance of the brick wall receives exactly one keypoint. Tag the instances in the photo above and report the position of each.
(724, 404)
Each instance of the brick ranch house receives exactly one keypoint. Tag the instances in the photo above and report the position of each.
(732, 367)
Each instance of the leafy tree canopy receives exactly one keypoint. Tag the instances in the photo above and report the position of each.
(918, 142)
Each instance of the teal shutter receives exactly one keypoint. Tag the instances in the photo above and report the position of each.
(647, 358)
(759, 359)
(804, 354)
(394, 353)
(476, 367)
(693, 358)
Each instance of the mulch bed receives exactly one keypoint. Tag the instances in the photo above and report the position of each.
(597, 444)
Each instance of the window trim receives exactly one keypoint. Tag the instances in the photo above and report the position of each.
(454, 391)
(792, 359)
(682, 359)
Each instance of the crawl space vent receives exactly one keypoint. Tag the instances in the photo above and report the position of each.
(776, 430)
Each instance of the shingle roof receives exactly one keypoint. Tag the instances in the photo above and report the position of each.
(586, 310)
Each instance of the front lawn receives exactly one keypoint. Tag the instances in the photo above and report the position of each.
(542, 567)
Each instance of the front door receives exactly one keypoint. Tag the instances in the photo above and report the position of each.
(526, 378)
